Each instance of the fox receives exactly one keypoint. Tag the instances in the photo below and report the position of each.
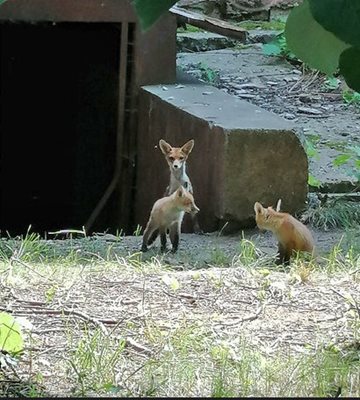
(291, 234)
(167, 214)
(176, 158)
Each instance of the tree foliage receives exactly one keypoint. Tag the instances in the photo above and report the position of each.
(322, 33)
(149, 11)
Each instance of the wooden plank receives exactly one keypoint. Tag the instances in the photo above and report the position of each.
(210, 24)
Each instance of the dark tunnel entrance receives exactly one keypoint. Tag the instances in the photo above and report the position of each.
(59, 107)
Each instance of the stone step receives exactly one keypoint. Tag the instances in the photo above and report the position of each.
(207, 41)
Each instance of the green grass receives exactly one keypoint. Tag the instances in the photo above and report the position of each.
(335, 213)
(93, 362)
(197, 366)
(219, 257)
(351, 97)
(208, 74)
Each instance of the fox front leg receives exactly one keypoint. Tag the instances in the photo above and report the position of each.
(163, 240)
(175, 237)
(283, 255)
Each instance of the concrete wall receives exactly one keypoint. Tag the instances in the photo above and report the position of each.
(242, 154)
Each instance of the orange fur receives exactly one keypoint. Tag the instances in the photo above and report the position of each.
(167, 214)
(291, 233)
(176, 158)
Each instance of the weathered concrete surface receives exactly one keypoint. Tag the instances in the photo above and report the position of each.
(261, 35)
(266, 82)
(202, 41)
(208, 41)
(242, 154)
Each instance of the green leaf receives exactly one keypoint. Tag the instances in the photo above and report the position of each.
(357, 163)
(332, 83)
(10, 334)
(355, 149)
(271, 49)
(149, 11)
(341, 159)
(350, 67)
(341, 17)
(310, 42)
(312, 181)
(311, 150)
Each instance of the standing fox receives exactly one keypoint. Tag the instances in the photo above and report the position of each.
(291, 233)
(167, 213)
(176, 158)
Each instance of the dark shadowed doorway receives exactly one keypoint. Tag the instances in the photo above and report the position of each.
(59, 100)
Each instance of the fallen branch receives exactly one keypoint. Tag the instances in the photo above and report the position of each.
(246, 319)
(139, 348)
(97, 322)
(210, 24)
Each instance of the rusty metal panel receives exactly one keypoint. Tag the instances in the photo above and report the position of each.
(68, 10)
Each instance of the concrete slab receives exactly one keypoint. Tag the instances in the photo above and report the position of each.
(242, 154)
(218, 108)
(261, 35)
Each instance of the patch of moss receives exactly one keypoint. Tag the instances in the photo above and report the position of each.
(189, 28)
(340, 146)
(276, 25)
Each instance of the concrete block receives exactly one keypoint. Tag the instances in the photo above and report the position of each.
(242, 154)
(202, 41)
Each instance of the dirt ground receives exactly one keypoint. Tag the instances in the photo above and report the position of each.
(202, 251)
(109, 286)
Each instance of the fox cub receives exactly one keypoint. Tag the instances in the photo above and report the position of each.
(292, 235)
(176, 158)
(167, 214)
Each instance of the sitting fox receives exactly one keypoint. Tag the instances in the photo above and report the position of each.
(176, 158)
(292, 235)
(167, 214)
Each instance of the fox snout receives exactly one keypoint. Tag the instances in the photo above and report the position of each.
(194, 209)
(176, 164)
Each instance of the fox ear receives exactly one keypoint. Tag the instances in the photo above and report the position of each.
(180, 191)
(188, 146)
(258, 208)
(164, 146)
